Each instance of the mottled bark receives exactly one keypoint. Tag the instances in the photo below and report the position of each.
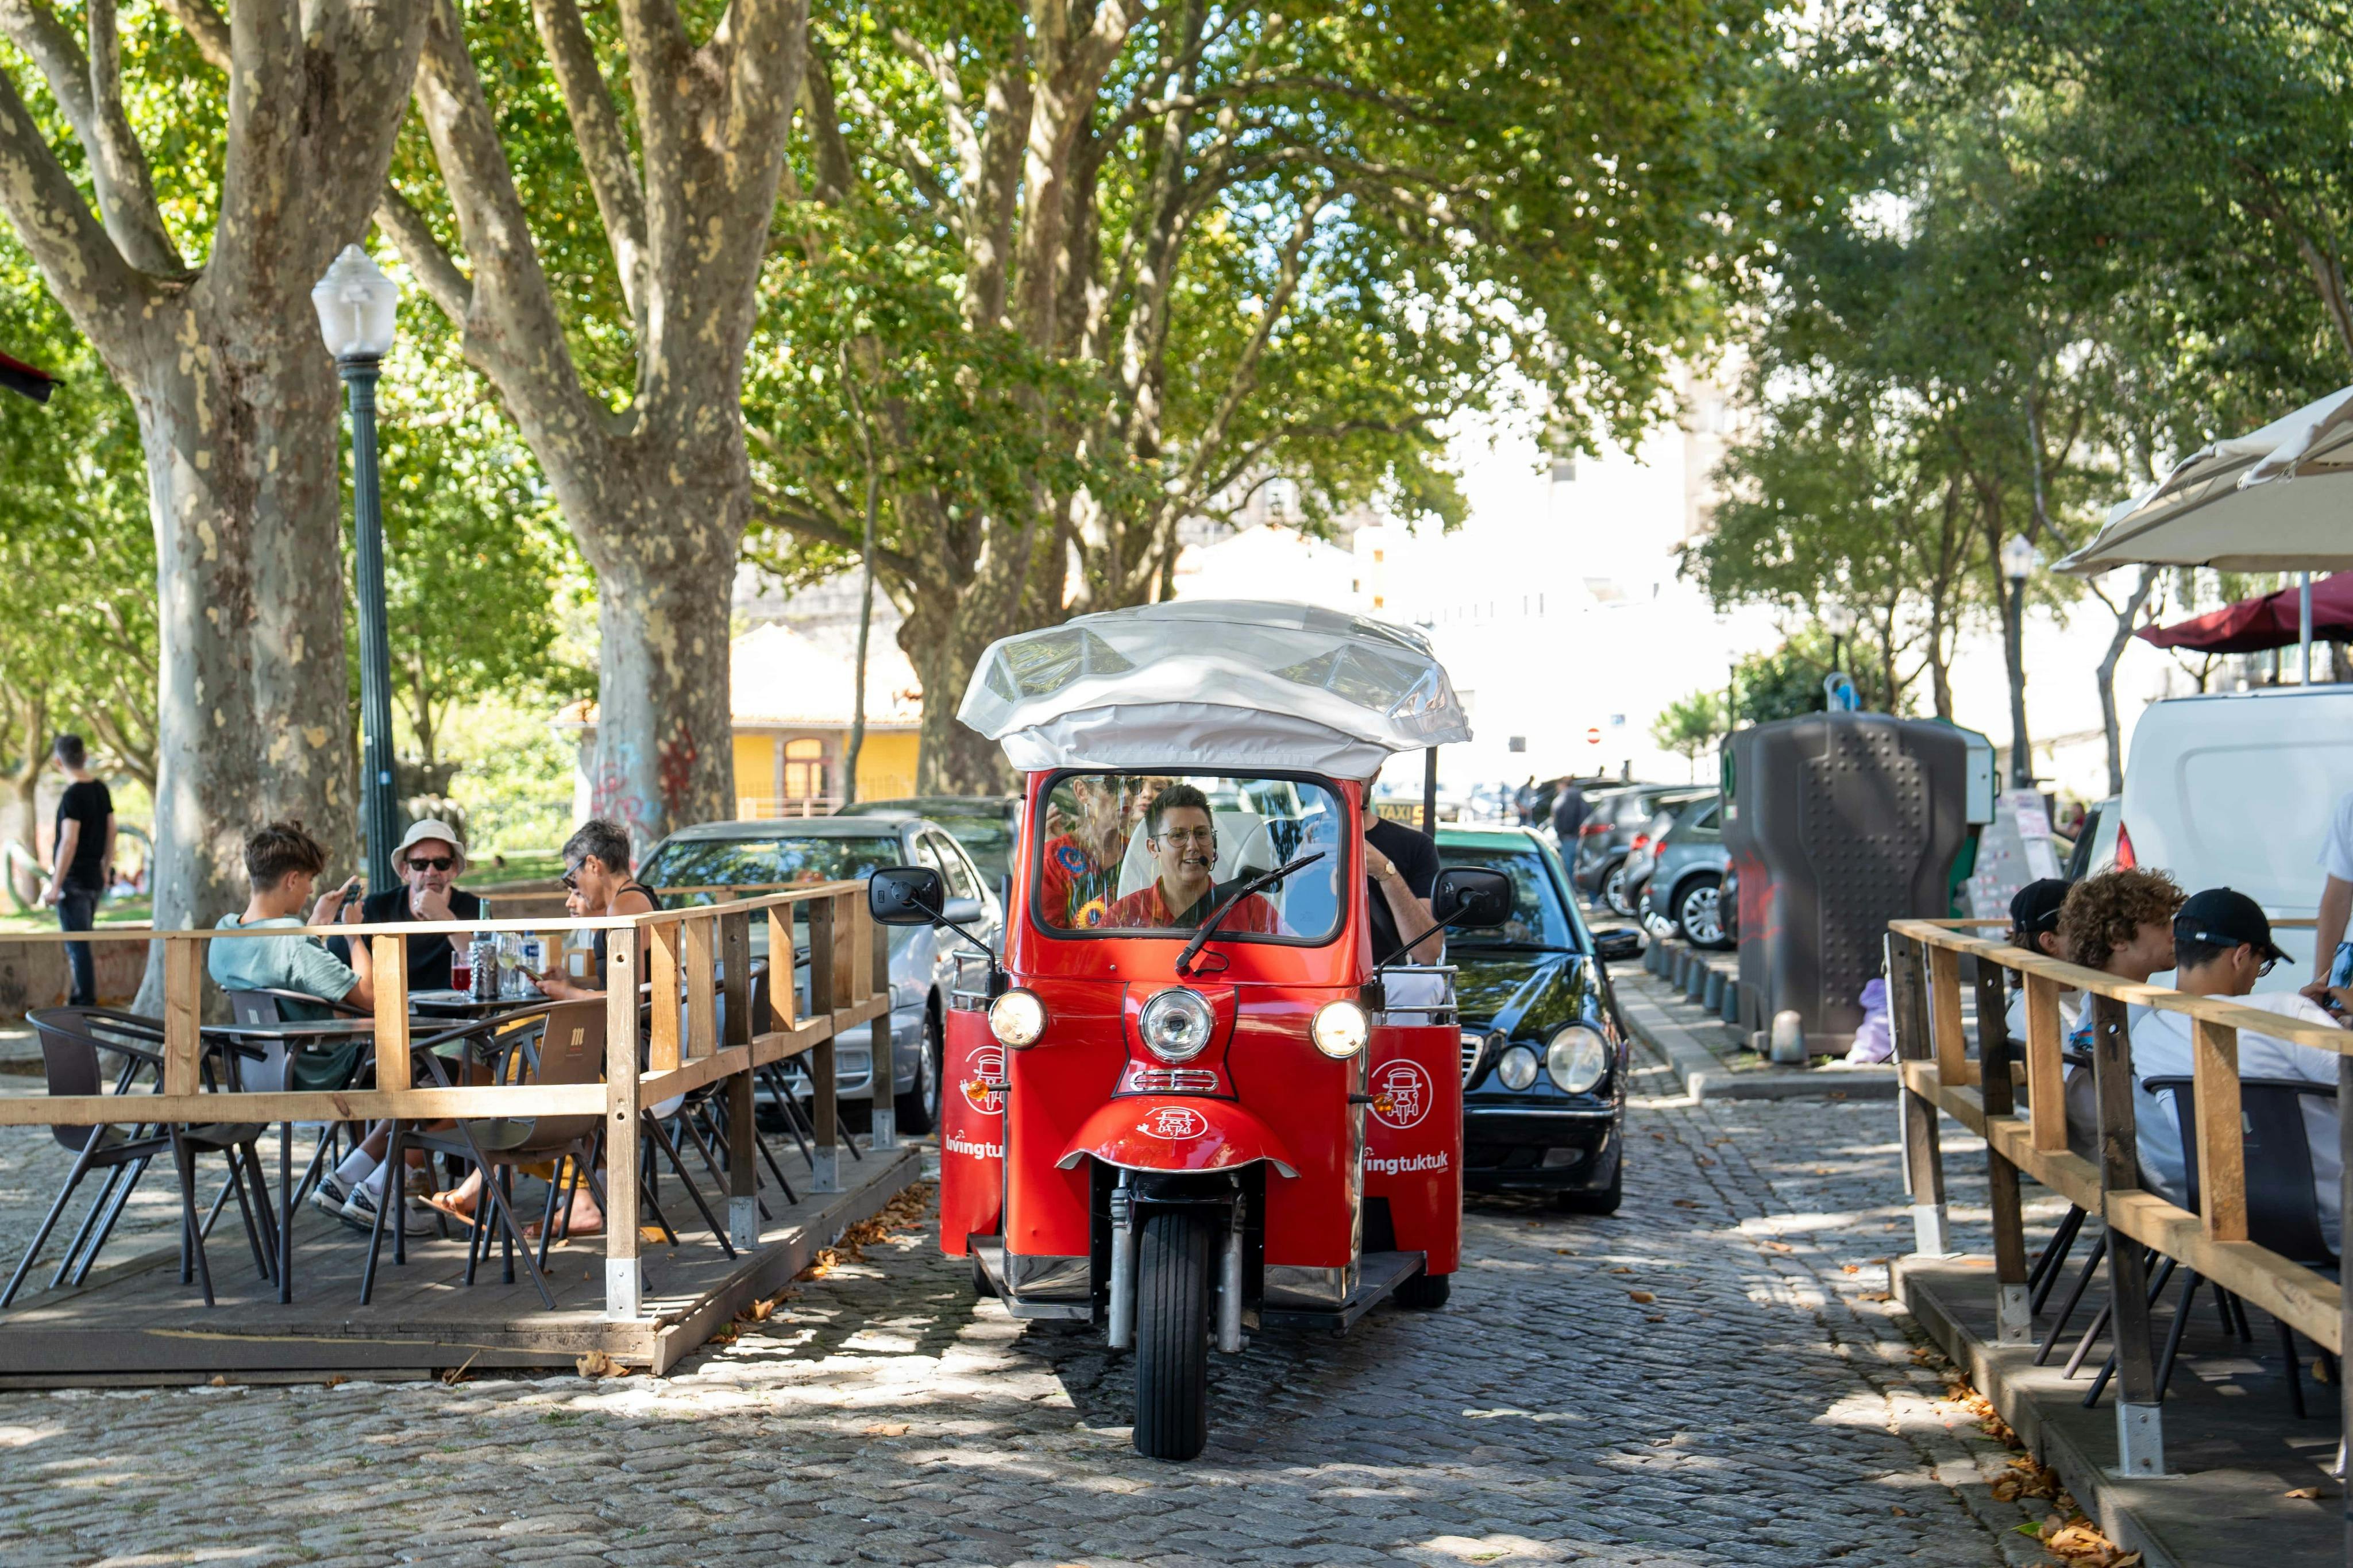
(659, 493)
(236, 398)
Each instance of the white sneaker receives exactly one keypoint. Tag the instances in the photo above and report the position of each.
(359, 1213)
(330, 1196)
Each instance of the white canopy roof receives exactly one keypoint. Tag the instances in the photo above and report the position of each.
(1214, 684)
(2239, 505)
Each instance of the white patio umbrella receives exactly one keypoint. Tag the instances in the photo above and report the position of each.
(2275, 499)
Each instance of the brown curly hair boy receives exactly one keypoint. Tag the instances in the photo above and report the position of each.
(2104, 915)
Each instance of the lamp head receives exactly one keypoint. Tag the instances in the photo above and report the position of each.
(2018, 559)
(356, 303)
(1837, 619)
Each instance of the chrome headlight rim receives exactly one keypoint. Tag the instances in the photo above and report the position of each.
(1520, 1063)
(1017, 1018)
(1576, 1059)
(1176, 1007)
(1340, 1029)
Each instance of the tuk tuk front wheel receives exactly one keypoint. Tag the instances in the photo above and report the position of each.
(1172, 1334)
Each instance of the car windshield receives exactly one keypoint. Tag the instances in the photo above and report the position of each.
(1153, 853)
(764, 862)
(1537, 916)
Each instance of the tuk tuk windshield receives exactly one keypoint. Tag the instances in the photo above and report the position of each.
(1155, 853)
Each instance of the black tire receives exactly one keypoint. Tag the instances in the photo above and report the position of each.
(1613, 891)
(1699, 911)
(1425, 1292)
(1172, 1334)
(1604, 1202)
(919, 1108)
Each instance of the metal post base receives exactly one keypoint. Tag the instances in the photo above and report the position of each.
(1932, 1237)
(2140, 1439)
(825, 1170)
(744, 1224)
(625, 1289)
(886, 1128)
(2013, 1315)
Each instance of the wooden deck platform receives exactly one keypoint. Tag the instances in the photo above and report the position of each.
(134, 1322)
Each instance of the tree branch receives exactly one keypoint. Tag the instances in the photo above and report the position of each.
(434, 266)
(205, 27)
(105, 295)
(604, 144)
(88, 90)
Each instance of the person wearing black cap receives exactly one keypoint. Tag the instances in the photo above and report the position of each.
(2034, 926)
(2221, 946)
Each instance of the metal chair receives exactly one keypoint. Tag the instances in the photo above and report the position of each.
(74, 1041)
(571, 1052)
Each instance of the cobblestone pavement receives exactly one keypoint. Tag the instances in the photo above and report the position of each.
(1712, 1376)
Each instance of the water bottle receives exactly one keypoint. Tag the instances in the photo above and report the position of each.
(482, 955)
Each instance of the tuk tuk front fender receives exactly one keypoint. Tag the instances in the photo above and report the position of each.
(1146, 1133)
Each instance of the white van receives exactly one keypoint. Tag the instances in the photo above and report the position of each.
(2234, 790)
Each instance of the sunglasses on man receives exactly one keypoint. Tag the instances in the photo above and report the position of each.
(431, 862)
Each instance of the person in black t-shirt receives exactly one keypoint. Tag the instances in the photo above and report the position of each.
(82, 859)
(1401, 867)
(428, 862)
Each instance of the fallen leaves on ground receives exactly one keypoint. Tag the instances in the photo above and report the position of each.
(903, 1213)
(1851, 1267)
(453, 1376)
(2304, 1492)
(2027, 1478)
(1989, 1419)
(597, 1364)
(1776, 1246)
(887, 1429)
(1644, 1296)
(1875, 1296)
(2077, 1542)
(1686, 1204)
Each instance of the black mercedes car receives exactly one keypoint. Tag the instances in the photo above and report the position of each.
(1543, 1049)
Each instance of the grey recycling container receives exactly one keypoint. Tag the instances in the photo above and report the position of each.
(1837, 823)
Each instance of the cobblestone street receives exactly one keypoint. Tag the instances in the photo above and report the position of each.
(1712, 1376)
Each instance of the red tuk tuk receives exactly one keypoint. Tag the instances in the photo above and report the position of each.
(1191, 1100)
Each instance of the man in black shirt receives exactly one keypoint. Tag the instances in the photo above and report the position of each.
(1401, 866)
(82, 859)
(429, 861)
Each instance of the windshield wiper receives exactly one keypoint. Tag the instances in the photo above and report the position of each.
(1226, 905)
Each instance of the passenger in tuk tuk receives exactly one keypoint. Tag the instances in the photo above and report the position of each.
(1082, 864)
(1182, 835)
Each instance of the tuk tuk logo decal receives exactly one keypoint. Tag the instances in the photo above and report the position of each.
(983, 1070)
(1405, 1164)
(978, 1148)
(1174, 1122)
(1401, 1094)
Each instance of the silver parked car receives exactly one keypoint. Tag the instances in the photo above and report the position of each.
(844, 848)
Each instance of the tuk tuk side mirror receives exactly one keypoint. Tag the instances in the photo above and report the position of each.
(906, 895)
(1618, 943)
(1473, 898)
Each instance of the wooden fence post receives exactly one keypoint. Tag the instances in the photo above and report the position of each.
(825, 972)
(735, 1030)
(875, 943)
(1923, 1162)
(2013, 1318)
(2140, 1432)
(625, 1286)
(2046, 1076)
(2221, 1147)
(184, 1005)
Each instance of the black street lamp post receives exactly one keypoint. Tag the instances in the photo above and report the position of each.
(356, 304)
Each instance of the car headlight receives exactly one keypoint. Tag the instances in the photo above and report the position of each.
(1576, 1059)
(1176, 1023)
(1016, 1018)
(1340, 1029)
(1518, 1068)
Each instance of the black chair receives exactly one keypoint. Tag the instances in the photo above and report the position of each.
(2283, 1201)
(74, 1042)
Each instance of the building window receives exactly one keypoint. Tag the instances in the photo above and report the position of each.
(803, 770)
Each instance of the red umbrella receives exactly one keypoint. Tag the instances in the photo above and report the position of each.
(18, 376)
(2252, 625)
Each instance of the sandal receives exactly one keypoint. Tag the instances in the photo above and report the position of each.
(448, 1203)
(578, 1231)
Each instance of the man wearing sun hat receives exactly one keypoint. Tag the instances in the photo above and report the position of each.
(430, 859)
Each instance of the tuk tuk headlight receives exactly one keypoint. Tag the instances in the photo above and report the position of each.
(1576, 1059)
(1340, 1029)
(1016, 1018)
(1517, 1070)
(1176, 1023)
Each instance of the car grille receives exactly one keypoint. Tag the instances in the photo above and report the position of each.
(1474, 1046)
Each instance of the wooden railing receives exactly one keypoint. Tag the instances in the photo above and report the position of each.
(696, 957)
(1923, 960)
